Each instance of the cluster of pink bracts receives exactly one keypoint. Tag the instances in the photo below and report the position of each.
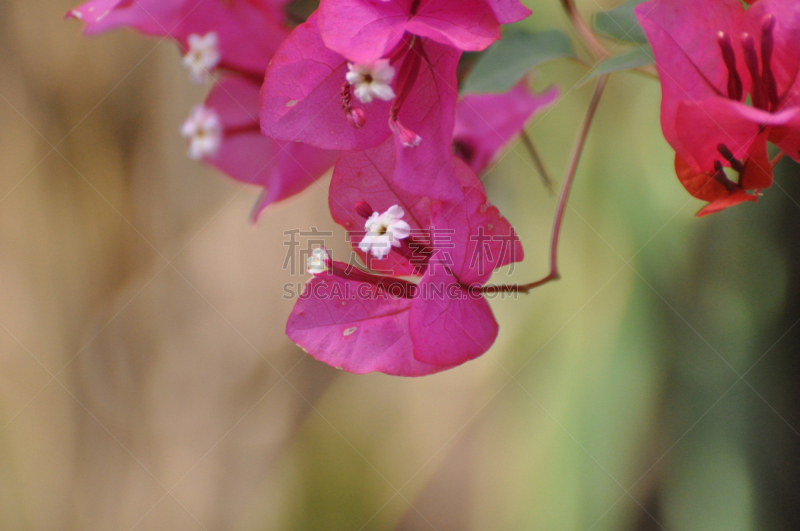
(370, 88)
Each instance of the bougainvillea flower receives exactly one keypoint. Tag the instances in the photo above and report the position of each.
(487, 123)
(307, 97)
(203, 130)
(203, 56)
(363, 322)
(319, 262)
(247, 32)
(384, 230)
(729, 83)
(372, 81)
(367, 30)
(224, 132)
(363, 184)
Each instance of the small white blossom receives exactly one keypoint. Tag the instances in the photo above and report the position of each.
(203, 130)
(384, 231)
(373, 80)
(319, 261)
(202, 57)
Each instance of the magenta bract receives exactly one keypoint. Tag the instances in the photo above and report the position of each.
(302, 97)
(446, 315)
(509, 11)
(249, 32)
(366, 30)
(486, 123)
(282, 168)
(307, 98)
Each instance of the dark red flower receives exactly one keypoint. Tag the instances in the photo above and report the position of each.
(729, 79)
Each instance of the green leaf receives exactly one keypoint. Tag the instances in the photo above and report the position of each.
(620, 24)
(640, 56)
(507, 61)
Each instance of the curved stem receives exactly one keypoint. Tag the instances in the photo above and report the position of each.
(563, 199)
(778, 158)
(590, 40)
(587, 35)
(537, 161)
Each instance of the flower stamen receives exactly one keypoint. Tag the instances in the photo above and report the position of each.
(735, 90)
(751, 60)
(767, 47)
(406, 78)
(721, 178)
(735, 163)
(355, 116)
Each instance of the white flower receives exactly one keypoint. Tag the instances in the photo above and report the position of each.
(203, 130)
(202, 57)
(384, 231)
(373, 80)
(319, 261)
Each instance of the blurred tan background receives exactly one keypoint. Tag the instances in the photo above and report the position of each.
(146, 382)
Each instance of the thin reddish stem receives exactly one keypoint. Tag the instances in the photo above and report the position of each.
(596, 48)
(563, 199)
(537, 161)
(587, 35)
(252, 127)
(778, 158)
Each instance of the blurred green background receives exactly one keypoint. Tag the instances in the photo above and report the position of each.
(147, 382)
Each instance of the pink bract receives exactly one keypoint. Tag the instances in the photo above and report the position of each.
(366, 30)
(370, 334)
(369, 176)
(449, 324)
(301, 97)
(442, 322)
(462, 226)
(509, 11)
(249, 31)
(305, 92)
(486, 123)
(478, 238)
(430, 112)
(282, 168)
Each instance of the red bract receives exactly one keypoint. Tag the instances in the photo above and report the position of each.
(486, 123)
(242, 152)
(308, 96)
(248, 32)
(362, 322)
(710, 66)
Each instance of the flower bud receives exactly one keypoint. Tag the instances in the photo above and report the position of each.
(356, 117)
